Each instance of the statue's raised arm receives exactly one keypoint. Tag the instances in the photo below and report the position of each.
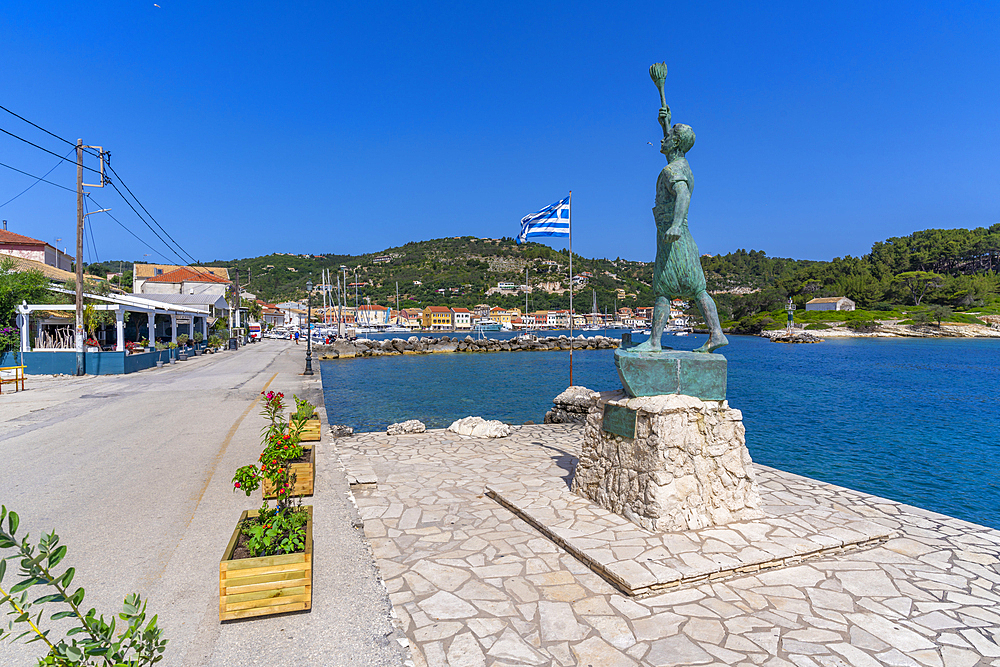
(658, 73)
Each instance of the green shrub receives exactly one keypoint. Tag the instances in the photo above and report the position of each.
(303, 410)
(862, 326)
(133, 642)
(817, 326)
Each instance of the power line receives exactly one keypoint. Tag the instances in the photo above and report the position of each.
(44, 130)
(47, 150)
(179, 256)
(190, 257)
(37, 178)
(157, 252)
(124, 185)
(93, 243)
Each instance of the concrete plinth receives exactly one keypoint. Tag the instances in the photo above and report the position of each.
(672, 372)
(667, 463)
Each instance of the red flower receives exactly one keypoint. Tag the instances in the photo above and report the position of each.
(237, 485)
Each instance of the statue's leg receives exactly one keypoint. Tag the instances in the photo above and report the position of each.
(661, 313)
(716, 338)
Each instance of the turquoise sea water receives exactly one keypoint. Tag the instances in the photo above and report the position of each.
(912, 420)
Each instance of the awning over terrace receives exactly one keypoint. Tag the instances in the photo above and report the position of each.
(184, 314)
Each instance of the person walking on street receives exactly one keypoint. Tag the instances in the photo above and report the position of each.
(296, 337)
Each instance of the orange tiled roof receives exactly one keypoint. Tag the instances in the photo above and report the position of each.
(186, 275)
(11, 237)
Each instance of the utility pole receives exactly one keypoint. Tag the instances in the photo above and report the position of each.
(79, 243)
(236, 310)
(79, 256)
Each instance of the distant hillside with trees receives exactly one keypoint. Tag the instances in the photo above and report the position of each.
(946, 268)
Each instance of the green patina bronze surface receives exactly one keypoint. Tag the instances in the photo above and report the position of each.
(652, 373)
(619, 420)
(677, 272)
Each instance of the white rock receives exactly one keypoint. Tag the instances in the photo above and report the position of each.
(577, 396)
(409, 426)
(478, 427)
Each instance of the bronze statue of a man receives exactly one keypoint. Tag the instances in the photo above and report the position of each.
(677, 272)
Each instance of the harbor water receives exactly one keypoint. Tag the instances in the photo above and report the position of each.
(914, 420)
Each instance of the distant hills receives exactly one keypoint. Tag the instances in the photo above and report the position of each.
(953, 267)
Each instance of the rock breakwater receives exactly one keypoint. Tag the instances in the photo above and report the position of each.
(428, 345)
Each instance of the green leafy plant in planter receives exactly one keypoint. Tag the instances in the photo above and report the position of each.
(280, 530)
(182, 339)
(160, 347)
(304, 410)
(198, 336)
(214, 341)
(100, 643)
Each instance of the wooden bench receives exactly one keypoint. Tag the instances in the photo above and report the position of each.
(17, 377)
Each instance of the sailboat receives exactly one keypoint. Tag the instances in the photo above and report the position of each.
(594, 315)
(397, 327)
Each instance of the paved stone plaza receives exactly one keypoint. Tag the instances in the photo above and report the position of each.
(474, 584)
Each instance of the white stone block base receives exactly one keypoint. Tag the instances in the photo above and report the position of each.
(687, 467)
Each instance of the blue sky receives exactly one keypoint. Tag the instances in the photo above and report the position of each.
(248, 128)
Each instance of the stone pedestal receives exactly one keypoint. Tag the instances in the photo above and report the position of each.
(667, 463)
(672, 372)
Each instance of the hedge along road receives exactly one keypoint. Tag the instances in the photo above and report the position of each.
(133, 472)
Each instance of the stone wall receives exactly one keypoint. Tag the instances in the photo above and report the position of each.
(687, 467)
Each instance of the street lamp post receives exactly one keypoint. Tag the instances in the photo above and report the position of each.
(309, 360)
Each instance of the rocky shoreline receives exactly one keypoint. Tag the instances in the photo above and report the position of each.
(952, 330)
(427, 345)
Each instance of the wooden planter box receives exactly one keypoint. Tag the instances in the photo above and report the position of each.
(311, 431)
(305, 476)
(267, 584)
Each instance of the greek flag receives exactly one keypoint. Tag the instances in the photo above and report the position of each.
(553, 220)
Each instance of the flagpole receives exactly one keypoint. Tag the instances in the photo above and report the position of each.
(571, 288)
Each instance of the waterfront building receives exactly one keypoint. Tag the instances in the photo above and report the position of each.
(557, 319)
(272, 315)
(295, 318)
(411, 318)
(369, 315)
(462, 318)
(830, 303)
(26, 247)
(481, 310)
(438, 318)
(502, 315)
(527, 320)
(644, 313)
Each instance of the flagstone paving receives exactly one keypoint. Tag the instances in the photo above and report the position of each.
(474, 584)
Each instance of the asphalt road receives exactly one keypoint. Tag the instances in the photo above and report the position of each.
(133, 472)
